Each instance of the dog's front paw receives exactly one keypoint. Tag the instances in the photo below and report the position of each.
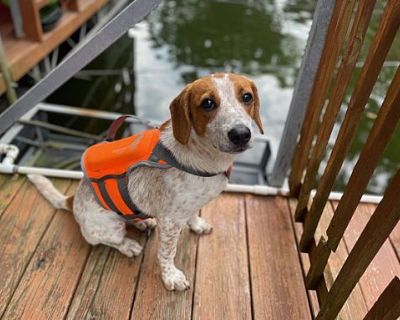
(200, 226)
(175, 279)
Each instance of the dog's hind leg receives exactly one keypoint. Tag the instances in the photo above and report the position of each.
(101, 226)
(113, 235)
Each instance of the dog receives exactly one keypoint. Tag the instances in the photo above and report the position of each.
(211, 122)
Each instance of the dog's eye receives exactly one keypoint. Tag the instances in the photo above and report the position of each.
(247, 98)
(208, 104)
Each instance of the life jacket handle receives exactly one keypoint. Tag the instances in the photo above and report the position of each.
(116, 124)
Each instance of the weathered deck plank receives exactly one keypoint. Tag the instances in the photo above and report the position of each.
(108, 284)
(152, 300)
(383, 268)
(89, 282)
(247, 268)
(49, 282)
(22, 225)
(278, 288)
(9, 186)
(355, 307)
(114, 295)
(222, 288)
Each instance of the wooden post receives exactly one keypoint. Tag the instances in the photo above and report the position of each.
(74, 5)
(31, 19)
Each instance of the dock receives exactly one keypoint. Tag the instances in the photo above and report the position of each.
(22, 54)
(249, 267)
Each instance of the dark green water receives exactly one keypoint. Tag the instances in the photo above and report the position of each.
(183, 40)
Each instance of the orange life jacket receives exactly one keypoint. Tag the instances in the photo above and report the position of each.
(107, 165)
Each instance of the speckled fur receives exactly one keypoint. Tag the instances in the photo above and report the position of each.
(173, 197)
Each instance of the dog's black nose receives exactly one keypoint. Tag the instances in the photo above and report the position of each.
(239, 135)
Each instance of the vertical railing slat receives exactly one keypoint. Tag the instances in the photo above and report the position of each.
(318, 257)
(376, 56)
(356, 39)
(387, 307)
(334, 41)
(379, 137)
(375, 233)
(309, 155)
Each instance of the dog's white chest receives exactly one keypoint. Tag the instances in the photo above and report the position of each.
(193, 192)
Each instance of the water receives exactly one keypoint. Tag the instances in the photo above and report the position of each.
(183, 40)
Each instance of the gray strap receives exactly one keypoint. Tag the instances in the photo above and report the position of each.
(123, 190)
(140, 215)
(137, 213)
(162, 153)
(106, 197)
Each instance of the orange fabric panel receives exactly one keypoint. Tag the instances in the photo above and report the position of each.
(115, 158)
(99, 196)
(112, 189)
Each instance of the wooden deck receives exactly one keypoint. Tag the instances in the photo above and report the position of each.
(248, 268)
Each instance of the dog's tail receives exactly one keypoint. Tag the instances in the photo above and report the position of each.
(47, 189)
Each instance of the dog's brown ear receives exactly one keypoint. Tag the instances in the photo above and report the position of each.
(180, 116)
(256, 110)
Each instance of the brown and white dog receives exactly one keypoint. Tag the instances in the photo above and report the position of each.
(211, 121)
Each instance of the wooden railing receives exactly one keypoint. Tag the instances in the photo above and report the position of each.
(344, 39)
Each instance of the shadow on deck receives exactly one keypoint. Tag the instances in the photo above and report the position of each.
(249, 267)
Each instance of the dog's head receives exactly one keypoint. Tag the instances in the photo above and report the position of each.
(219, 107)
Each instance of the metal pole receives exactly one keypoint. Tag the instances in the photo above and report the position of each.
(86, 52)
(302, 91)
(11, 95)
(16, 17)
